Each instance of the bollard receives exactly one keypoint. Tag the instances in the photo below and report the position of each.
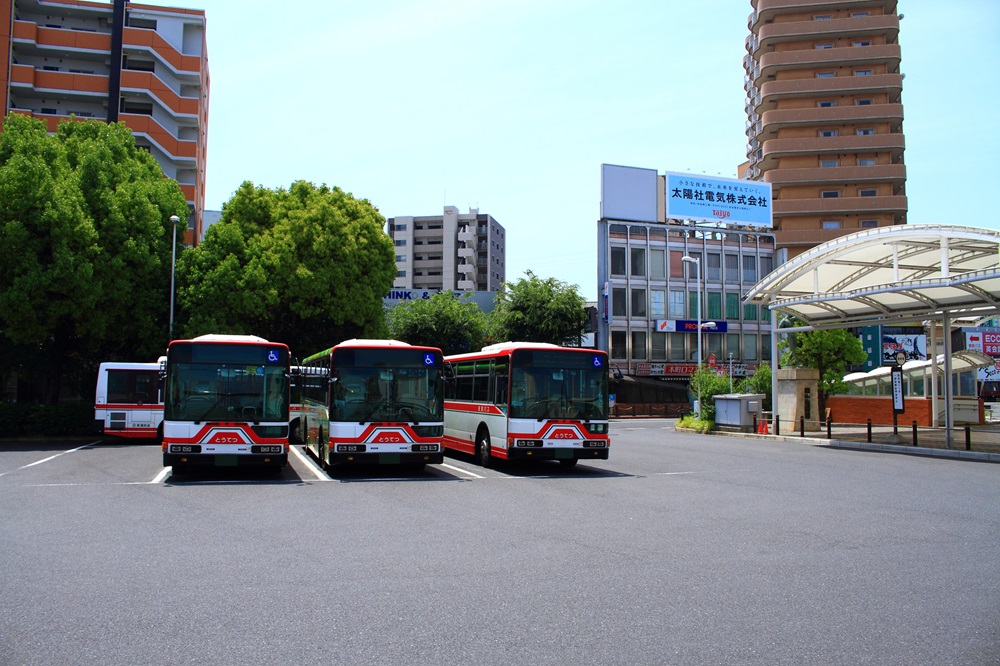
(755, 428)
(968, 437)
(777, 425)
(802, 426)
(869, 431)
(829, 428)
(915, 432)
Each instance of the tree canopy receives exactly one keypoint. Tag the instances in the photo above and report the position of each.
(84, 246)
(308, 266)
(536, 310)
(830, 352)
(443, 320)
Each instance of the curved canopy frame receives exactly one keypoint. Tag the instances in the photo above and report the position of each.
(890, 274)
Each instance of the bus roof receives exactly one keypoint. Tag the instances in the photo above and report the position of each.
(504, 348)
(366, 343)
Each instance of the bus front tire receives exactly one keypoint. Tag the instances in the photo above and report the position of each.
(569, 463)
(483, 449)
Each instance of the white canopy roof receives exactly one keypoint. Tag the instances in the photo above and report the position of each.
(960, 361)
(890, 274)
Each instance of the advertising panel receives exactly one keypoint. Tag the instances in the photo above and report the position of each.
(628, 193)
(690, 326)
(901, 344)
(729, 200)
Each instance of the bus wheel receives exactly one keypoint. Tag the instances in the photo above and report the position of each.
(483, 449)
(296, 433)
(569, 462)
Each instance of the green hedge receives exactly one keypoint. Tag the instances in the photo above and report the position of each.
(19, 420)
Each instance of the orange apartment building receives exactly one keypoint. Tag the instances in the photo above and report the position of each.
(824, 116)
(142, 65)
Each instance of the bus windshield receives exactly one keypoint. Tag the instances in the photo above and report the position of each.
(386, 385)
(223, 387)
(558, 384)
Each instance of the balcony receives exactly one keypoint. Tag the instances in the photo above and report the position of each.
(771, 34)
(184, 66)
(774, 121)
(846, 56)
(767, 10)
(29, 37)
(839, 206)
(175, 149)
(774, 91)
(170, 100)
(892, 173)
(774, 149)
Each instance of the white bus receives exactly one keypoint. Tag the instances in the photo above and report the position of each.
(225, 402)
(128, 401)
(373, 402)
(528, 401)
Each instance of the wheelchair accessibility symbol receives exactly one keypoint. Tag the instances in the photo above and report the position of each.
(272, 356)
(428, 359)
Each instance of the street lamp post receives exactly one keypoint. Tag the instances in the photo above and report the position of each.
(730, 373)
(173, 267)
(697, 280)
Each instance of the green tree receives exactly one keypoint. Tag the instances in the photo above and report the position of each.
(830, 352)
(84, 248)
(308, 266)
(537, 310)
(758, 382)
(456, 326)
(707, 382)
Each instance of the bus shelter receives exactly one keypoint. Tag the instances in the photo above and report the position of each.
(936, 275)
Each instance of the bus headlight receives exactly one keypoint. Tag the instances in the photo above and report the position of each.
(528, 443)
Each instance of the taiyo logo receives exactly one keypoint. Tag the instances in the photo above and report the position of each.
(564, 433)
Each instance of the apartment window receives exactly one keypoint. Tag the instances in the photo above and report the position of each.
(863, 42)
(676, 304)
(618, 261)
(866, 161)
(693, 305)
(732, 345)
(732, 305)
(863, 102)
(765, 346)
(822, 17)
(860, 14)
(749, 268)
(638, 261)
(658, 344)
(139, 64)
(399, 242)
(619, 302)
(148, 24)
(862, 72)
(713, 266)
(657, 264)
(657, 306)
(401, 257)
(400, 273)
(638, 302)
(766, 265)
(677, 352)
(826, 75)
(868, 192)
(830, 194)
(714, 309)
(826, 164)
(827, 133)
(732, 268)
(869, 224)
(136, 107)
(865, 131)
(50, 111)
(750, 312)
(831, 224)
(825, 45)
(639, 345)
(714, 344)
(749, 346)
(619, 344)
(825, 103)
(400, 227)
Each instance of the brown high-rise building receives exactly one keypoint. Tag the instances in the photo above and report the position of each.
(143, 65)
(824, 117)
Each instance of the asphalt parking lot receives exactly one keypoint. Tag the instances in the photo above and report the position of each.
(680, 549)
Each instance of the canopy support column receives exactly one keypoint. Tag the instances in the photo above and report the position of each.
(946, 333)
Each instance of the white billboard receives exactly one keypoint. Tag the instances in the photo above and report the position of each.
(628, 193)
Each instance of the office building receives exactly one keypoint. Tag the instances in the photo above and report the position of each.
(142, 65)
(453, 251)
(659, 277)
(824, 116)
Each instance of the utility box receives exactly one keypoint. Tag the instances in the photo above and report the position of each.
(735, 411)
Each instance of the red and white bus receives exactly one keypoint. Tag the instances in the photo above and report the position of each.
(528, 401)
(129, 400)
(378, 402)
(225, 402)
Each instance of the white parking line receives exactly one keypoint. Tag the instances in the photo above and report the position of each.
(45, 460)
(317, 472)
(461, 471)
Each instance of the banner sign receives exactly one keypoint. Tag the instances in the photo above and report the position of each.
(689, 326)
(900, 344)
(685, 369)
(729, 200)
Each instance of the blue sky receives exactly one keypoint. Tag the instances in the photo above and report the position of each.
(511, 106)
